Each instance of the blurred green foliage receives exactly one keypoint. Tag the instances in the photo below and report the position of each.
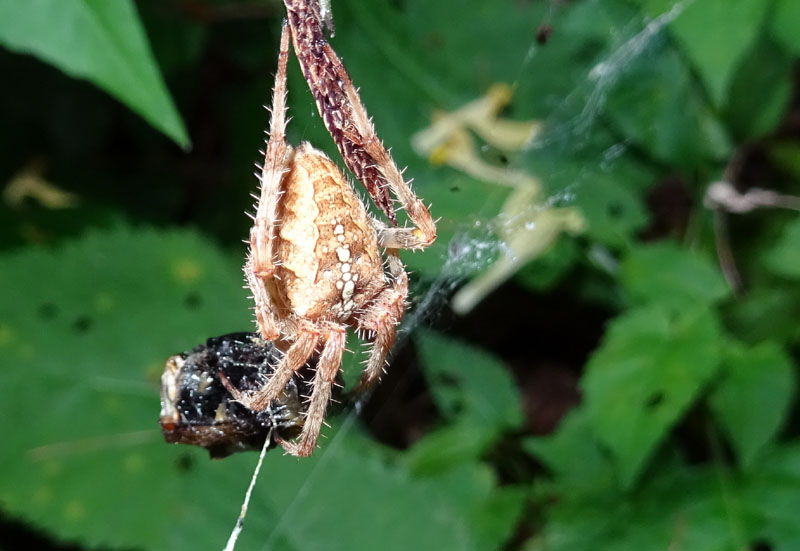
(686, 434)
(103, 42)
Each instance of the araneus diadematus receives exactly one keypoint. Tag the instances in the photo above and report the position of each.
(314, 266)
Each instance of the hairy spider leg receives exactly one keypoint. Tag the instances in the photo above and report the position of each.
(295, 358)
(380, 319)
(347, 121)
(423, 233)
(260, 266)
(327, 367)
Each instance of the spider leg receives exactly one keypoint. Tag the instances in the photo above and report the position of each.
(381, 318)
(327, 366)
(351, 129)
(295, 358)
(423, 233)
(260, 266)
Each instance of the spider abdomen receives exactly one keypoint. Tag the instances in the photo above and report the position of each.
(327, 247)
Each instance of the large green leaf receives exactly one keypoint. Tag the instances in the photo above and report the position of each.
(346, 497)
(650, 368)
(754, 396)
(785, 20)
(714, 35)
(100, 41)
(760, 91)
(655, 104)
(671, 276)
(85, 336)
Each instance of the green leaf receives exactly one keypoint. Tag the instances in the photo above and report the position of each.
(301, 500)
(703, 508)
(613, 213)
(492, 511)
(760, 91)
(85, 336)
(609, 196)
(99, 41)
(448, 447)
(574, 456)
(783, 258)
(648, 371)
(715, 35)
(496, 519)
(765, 313)
(771, 496)
(753, 398)
(468, 384)
(655, 104)
(346, 496)
(676, 506)
(671, 276)
(785, 22)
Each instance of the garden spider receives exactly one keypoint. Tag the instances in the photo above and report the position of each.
(314, 265)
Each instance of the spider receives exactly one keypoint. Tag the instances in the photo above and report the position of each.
(314, 266)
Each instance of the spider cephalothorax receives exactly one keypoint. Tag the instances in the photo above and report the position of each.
(315, 266)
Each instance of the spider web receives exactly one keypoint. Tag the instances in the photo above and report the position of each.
(475, 247)
(472, 248)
